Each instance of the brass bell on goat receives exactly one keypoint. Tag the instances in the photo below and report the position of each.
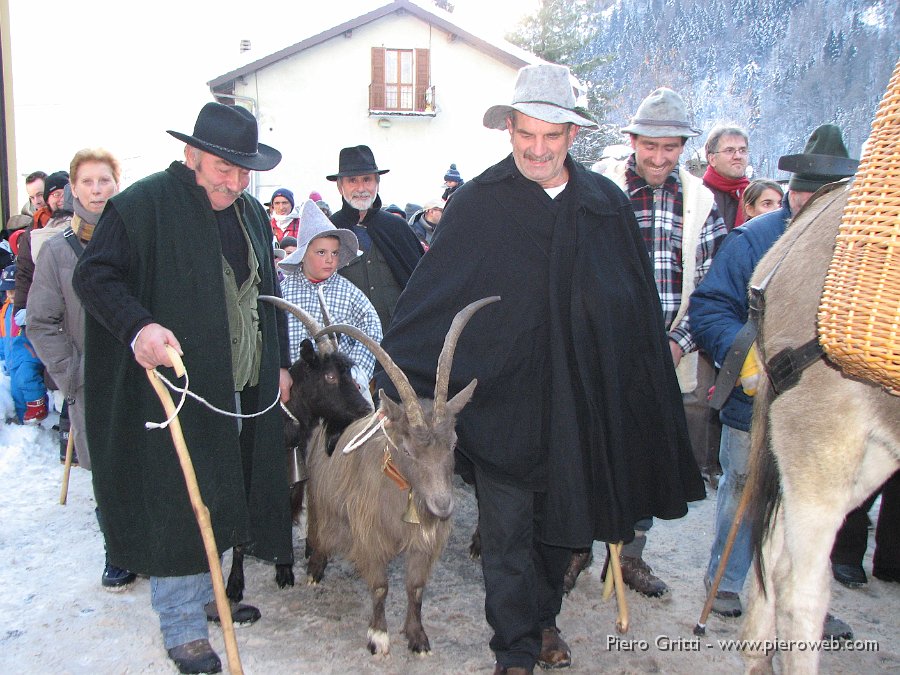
(411, 515)
(297, 471)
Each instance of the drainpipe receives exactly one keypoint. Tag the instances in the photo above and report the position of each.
(5, 163)
(254, 108)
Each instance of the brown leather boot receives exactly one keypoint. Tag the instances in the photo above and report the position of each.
(555, 653)
(580, 561)
(638, 576)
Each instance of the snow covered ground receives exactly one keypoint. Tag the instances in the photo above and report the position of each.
(55, 618)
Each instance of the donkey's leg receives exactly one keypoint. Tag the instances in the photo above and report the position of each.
(804, 591)
(759, 621)
(418, 569)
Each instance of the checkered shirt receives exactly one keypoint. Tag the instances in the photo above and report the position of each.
(659, 215)
(346, 304)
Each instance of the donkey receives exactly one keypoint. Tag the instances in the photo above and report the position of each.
(322, 391)
(394, 462)
(818, 449)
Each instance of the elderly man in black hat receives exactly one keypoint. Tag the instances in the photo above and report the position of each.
(576, 428)
(390, 250)
(145, 289)
(719, 312)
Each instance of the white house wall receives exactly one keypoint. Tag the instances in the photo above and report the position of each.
(315, 102)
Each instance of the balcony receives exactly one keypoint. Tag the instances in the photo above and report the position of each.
(401, 100)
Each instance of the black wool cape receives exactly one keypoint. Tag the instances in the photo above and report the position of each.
(176, 273)
(576, 394)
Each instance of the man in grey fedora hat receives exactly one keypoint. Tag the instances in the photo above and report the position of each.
(145, 289)
(576, 428)
(390, 250)
(681, 229)
(719, 310)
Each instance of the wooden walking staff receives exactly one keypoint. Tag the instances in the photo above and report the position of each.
(70, 450)
(200, 511)
(613, 580)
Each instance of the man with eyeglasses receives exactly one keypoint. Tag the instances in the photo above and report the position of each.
(727, 151)
(682, 229)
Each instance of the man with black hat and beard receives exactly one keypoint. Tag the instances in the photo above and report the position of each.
(719, 312)
(145, 289)
(576, 427)
(390, 250)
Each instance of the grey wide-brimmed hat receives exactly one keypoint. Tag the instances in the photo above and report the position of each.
(661, 115)
(824, 160)
(230, 132)
(313, 225)
(544, 92)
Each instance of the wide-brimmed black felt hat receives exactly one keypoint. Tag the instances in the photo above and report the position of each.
(231, 132)
(356, 161)
(824, 160)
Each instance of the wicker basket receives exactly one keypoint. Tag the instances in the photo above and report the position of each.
(859, 313)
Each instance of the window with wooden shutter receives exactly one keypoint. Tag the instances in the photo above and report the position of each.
(401, 80)
(376, 90)
(423, 79)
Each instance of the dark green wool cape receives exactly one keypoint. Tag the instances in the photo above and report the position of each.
(576, 396)
(176, 273)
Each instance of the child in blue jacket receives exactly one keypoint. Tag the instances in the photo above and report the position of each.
(25, 370)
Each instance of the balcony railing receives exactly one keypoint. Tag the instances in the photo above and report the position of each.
(401, 99)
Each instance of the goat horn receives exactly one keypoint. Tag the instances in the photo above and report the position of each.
(326, 315)
(325, 345)
(407, 394)
(445, 360)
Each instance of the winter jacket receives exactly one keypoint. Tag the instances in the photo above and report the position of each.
(149, 523)
(720, 304)
(383, 271)
(56, 329)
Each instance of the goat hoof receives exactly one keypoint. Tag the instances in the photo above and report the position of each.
(379, 642)
(234, 591)
(284, 575)
(475, 545)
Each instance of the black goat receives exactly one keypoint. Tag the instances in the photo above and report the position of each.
(322, 390)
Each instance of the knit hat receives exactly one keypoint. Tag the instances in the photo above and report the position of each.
(55, 181)
(824, 160)
(544, 92)
(453, 175)
(315, 196)
(396, 210)
(8, 278)
(660, 115)
(315, 224)
(283, 192)
(288, 241)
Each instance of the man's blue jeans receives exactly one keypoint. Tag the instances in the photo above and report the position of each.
(734, 454)
(180, 601)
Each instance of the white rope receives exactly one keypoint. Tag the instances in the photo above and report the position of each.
(187, 392)
(375, 423)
